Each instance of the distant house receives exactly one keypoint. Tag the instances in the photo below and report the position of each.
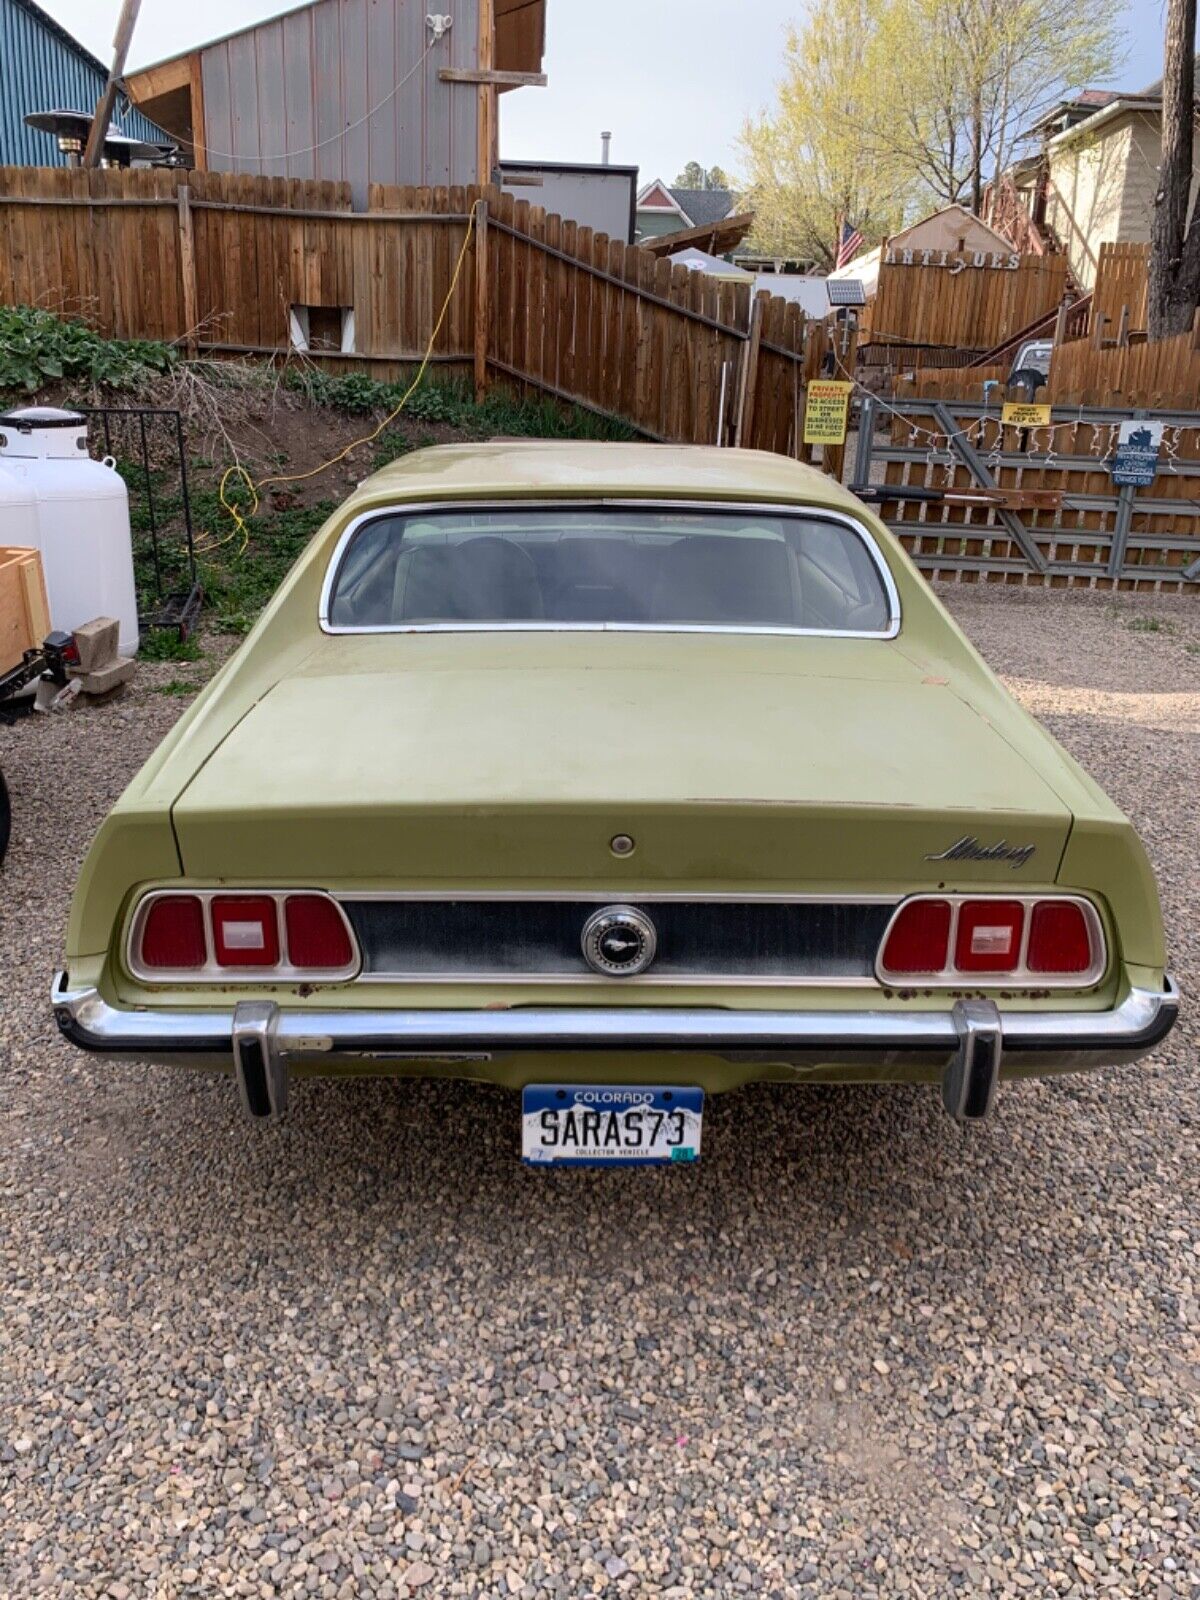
(42, 68)
(360, 91)
(662, 210)
(1092, 178)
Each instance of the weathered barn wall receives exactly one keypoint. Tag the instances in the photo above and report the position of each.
(346, 90)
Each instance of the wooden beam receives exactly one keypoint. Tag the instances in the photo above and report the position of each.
(714, 237)
(486, 118)
(98, 133)
(748, 386)
(187, 269)
(151, 82)
(497, 80)
(199, 129)
(482, 304)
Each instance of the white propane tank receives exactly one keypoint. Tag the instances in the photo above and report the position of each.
(82, 525)
(18, 512)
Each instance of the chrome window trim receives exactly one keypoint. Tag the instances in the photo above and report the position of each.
(210, 972)
(775, 509)
(1020, 977)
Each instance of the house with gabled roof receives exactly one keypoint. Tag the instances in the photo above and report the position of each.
(670, 219)
(1089, 180)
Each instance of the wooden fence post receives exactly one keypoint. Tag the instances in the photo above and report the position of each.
(482, 300)
(187, 269)
(748, 386)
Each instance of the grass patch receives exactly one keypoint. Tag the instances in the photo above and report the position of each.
(239, 582)
(1149, 625)
(453, 403)
(162, 644)
(178, 686)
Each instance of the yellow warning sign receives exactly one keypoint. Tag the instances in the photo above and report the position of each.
(826, 411)
(1018, 415)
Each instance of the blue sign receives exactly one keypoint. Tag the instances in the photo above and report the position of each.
(1136, 459)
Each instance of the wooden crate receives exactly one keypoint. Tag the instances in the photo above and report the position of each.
(24, 611)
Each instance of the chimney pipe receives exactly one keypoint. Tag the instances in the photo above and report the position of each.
(605, 148)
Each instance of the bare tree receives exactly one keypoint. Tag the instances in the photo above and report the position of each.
(1175, 247)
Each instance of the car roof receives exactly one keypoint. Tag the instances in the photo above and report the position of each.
(505, 469)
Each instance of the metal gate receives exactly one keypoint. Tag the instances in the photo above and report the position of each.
(980, 502)
(147, 446)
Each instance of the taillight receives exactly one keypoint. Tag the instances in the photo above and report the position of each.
(173, 935)
(253, 935)
(1025, 940)
(989, 936)
(317, 939)
(918, 940)
(245, 930)
(1059, 940)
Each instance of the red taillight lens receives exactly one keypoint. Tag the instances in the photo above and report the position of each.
(1059, 941)
(245, 930)
(989, 935)
(173, 935)
(919, 940)
(316, 935)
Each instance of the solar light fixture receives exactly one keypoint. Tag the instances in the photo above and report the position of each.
(846, 291)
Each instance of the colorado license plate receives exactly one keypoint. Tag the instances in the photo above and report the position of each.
(603, 1126)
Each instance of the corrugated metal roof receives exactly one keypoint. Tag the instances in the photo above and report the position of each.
(42, 68)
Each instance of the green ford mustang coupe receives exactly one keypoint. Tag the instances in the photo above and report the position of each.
(618, 774)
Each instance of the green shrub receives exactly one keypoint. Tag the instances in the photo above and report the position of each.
(37, 348)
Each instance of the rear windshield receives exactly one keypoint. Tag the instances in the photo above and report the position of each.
(621, 566)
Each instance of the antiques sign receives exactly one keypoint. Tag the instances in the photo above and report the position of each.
(954, 261)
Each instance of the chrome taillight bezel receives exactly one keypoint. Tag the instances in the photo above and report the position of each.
(212, 973)
(1020, 977)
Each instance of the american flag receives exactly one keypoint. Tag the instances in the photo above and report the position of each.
(851, 243)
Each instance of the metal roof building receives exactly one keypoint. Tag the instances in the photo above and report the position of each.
(42, 68)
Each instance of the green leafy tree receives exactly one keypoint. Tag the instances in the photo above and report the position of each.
(694, 176)
(890, 107)
(806, 163)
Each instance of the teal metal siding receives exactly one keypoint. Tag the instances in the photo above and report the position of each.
(43, 69)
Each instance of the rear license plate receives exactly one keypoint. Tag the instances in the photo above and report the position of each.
(605, 1126)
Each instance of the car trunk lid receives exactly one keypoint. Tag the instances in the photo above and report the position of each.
(829, 761)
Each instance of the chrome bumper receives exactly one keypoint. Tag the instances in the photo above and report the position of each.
(1049, 1040)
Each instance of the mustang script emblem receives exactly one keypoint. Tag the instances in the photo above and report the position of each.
(968, 848)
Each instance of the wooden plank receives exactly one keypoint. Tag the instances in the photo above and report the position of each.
(482, 301)
(498, 80)
(748, 376)
(24, 611)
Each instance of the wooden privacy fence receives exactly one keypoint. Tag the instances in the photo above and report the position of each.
(1120, 295)
(1165, 374)
(962, 305)
(1059, 519)
(219, 262)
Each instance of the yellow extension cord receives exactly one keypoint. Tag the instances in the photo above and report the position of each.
(237, 471)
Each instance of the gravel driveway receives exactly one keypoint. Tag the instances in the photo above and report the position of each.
(856, 1352)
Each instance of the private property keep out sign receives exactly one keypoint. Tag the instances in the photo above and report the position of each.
(826, 412)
